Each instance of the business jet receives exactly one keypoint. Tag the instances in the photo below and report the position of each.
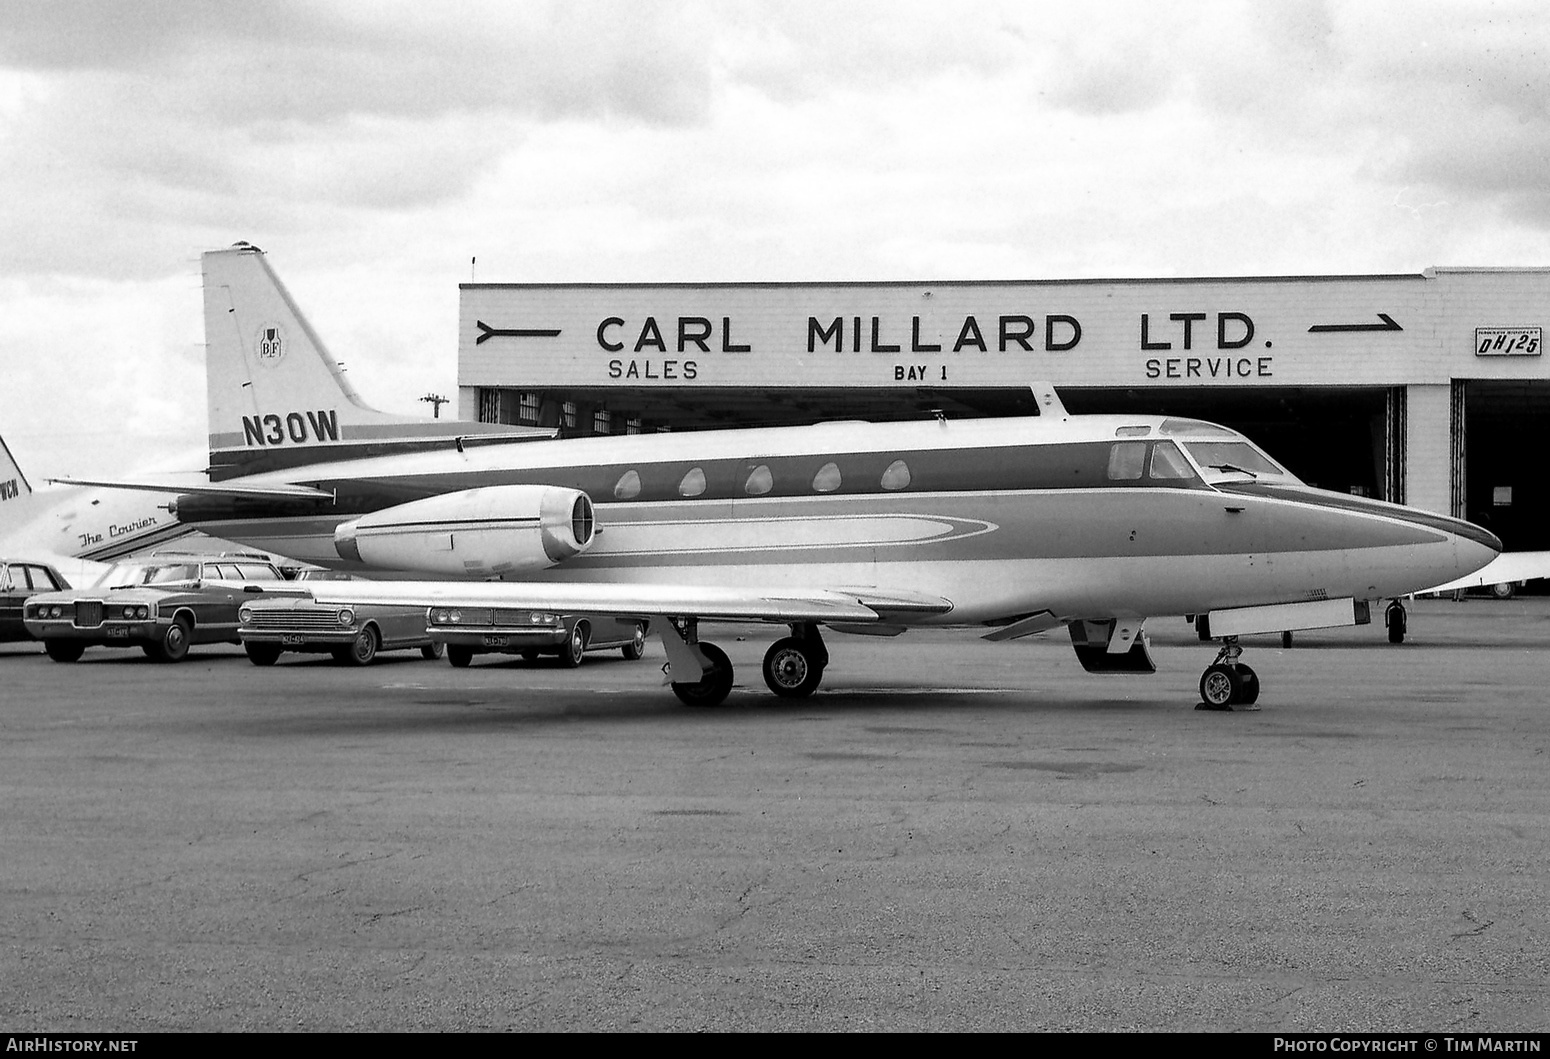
(1012, 527)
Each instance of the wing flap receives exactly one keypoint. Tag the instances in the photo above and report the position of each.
(626, 600)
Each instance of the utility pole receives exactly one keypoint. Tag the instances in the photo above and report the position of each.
(436, 401)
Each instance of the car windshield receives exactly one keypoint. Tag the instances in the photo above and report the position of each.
(1235, 461)
(127, 575)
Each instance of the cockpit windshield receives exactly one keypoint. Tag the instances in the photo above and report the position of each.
(126, 575)
(1235, 461)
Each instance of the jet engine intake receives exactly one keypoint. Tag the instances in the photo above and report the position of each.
(485, 532)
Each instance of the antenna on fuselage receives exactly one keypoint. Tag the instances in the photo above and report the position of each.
(1048, 400)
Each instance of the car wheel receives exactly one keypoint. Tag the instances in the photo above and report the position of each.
(432, 651)
(173, 644)
(460, 657)
(363, 649)
(262, 654)
(636, 647)
(575, 646)
(64, 650)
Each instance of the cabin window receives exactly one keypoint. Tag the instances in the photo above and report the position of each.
(693, 483)
(827, 480)
(1169, 463)
(1132, 432)
(1126, 460)
(897, 476)
(760, 481)
(628, 486)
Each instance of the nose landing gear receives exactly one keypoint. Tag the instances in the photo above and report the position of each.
(1228, 683)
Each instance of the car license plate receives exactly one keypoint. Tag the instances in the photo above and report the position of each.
(117, 633)
(496, 641)
(292, 639)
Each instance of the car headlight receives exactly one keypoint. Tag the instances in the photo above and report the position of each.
(245, 615)
(56, 611)
(347, 617)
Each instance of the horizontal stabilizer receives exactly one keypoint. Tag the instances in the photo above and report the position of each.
(274, 491)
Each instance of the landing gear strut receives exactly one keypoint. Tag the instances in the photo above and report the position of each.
(1227, 682)
(793, 666)
(1395, 618)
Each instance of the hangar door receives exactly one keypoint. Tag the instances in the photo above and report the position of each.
(1505, 434)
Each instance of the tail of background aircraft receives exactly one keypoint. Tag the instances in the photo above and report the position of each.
(276, 397)
(16, 505)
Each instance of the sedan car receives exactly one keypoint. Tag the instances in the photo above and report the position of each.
(162, 604)
(292, 621)
(20, 580)
(467, 631)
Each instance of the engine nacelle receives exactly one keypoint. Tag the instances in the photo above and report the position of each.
(483, 532)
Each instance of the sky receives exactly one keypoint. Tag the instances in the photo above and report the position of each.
(384, 152)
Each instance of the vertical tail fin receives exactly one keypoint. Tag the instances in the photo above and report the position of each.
(16, 505)
(276, 397)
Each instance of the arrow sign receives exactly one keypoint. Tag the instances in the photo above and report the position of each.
(487, 332)
(1388, 324)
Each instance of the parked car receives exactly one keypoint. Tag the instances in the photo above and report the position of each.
(20, 580)
(163, 605)
(283, 620)
(469, 631)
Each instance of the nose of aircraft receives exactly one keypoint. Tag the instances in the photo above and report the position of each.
(1472, 546)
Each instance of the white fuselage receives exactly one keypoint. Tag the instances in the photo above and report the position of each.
(1078, 516)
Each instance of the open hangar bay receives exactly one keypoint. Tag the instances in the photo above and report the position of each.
(952, 835)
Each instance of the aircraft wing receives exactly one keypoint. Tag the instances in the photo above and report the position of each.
(783, 604)
(267, 491)
(1508, 566)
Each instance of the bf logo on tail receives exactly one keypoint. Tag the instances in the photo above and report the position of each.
(270, 346)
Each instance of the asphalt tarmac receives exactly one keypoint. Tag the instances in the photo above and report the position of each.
(951, 835)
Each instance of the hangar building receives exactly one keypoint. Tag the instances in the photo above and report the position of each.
(1428, 389)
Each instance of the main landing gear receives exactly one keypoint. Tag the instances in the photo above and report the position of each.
(793, 666)
(1227, 682)
(686, 653)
